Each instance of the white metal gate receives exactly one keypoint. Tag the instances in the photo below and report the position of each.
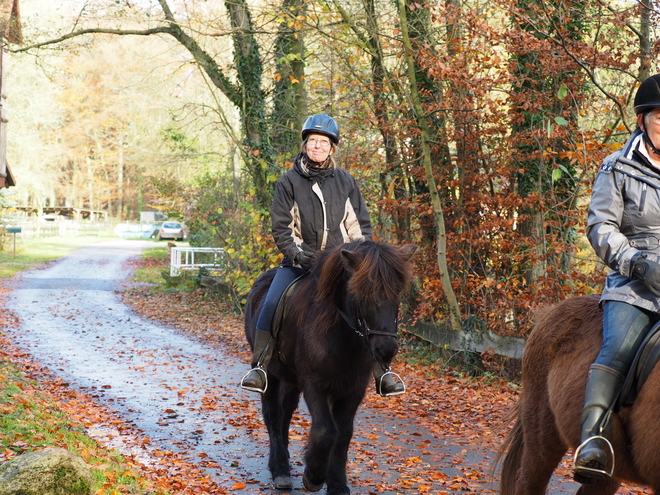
(191, 258)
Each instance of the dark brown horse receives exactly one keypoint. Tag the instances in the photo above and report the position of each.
(564, 342)
(342, 316)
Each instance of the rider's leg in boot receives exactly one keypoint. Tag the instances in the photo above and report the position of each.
(387, 384)
(593, 458)
(256, 379)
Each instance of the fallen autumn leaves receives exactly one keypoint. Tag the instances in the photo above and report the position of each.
(446, 407)
(472, 416)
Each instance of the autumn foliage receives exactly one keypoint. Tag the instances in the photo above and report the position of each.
(502, 112)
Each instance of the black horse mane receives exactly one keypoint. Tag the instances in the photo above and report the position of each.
(371, 273)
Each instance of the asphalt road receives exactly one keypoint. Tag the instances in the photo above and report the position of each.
(184, 394)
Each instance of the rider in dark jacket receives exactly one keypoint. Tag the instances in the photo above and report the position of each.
(316, 206)
(623, 227)
(313, 210)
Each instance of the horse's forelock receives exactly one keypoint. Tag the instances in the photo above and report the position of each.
(383, 273)
(331, 275)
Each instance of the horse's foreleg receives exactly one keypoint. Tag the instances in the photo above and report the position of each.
(343, 413)
(321, 439)
(289, 398)
(278, 404)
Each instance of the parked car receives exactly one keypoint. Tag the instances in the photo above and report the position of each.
(171, 230)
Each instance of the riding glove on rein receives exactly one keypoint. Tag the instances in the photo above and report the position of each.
(647, 271)
(304, 259)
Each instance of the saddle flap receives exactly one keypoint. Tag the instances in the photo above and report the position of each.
(645, 360)
(282, 306)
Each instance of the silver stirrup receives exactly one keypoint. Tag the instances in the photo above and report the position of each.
(254, 389)
(392, 394)
(592, 470)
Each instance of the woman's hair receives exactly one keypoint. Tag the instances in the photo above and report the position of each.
(331, 157)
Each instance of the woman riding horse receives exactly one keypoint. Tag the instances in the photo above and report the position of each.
(624, 229)
(316, 206)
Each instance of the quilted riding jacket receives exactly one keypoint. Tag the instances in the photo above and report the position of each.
(317, 211)
(624, 220)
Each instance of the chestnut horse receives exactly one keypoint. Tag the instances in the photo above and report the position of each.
(563, 344)
(342, 316)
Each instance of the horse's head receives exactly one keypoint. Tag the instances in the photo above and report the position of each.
(375, 275)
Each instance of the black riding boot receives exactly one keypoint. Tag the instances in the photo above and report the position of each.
(386, 385)
(256, 379)
(591, 457)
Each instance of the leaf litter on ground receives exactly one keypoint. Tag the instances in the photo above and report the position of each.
(456, 409)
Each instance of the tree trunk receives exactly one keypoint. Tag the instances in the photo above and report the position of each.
(645, 54)
(119, 208)
(441, 237)
(290, 98)
(392, 179)
(248, 96)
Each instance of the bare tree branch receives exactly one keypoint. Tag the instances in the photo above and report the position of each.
(206, 62)
(81, 32)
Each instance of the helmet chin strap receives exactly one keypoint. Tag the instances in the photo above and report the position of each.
(648, 141)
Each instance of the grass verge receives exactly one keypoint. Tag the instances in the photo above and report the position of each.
(31, 418)
(36, 251)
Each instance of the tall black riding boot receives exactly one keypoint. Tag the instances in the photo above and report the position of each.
(591, 457)
(386, 381)
(256, 379)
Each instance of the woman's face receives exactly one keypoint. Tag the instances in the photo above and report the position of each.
(650, 124)
(319, 147)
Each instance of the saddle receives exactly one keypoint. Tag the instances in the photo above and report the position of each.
(645, 360)
(282, 307)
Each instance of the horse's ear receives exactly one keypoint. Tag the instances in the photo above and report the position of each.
(352, 258)
(407, 251)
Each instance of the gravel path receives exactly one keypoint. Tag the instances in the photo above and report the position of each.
(184, 395)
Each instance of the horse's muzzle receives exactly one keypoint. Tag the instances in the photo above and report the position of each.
(384, 346)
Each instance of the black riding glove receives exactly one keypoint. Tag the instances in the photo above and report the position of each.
(648, 272)
(304, 259)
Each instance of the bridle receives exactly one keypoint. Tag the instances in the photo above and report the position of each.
(362, 328)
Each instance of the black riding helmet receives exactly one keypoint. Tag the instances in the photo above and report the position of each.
(648, 95)
(321, 123)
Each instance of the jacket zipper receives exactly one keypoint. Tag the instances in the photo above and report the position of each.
(317, 190)
(642, 200)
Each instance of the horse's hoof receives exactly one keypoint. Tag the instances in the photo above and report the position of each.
(283, 482)
(309, 485)
(342, 490)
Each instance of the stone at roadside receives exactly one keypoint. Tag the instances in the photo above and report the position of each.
(50, 471)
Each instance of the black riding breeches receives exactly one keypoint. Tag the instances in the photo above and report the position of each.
(283, 278)
(624, 329)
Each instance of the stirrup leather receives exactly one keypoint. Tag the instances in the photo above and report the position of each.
(391, 394)
(258, 369)
(592, 470)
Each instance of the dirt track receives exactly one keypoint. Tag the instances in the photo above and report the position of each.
(184, 393)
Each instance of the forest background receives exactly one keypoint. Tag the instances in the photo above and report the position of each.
(474, 127)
